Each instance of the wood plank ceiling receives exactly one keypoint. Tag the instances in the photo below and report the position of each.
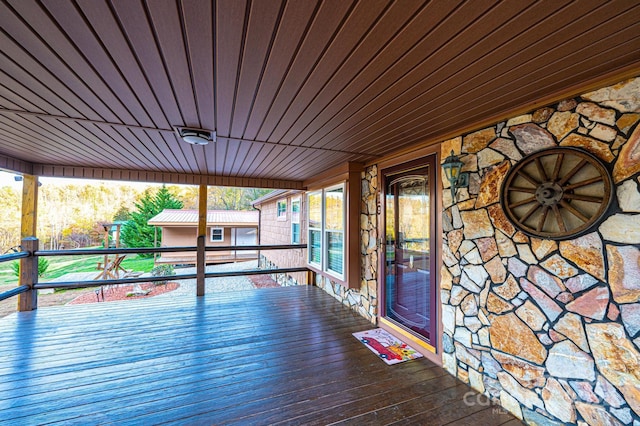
(291, 87)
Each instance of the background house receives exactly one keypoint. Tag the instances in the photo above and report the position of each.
(224, 228)
(283, 221)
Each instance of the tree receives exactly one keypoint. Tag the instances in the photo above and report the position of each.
(122, 215)
(136, 232)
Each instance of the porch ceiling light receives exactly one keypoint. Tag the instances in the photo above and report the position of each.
(196, 136)
(452, 166)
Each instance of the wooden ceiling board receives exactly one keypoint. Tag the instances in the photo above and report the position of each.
(198, 17)
(182, 157)
(291, 87)
(286, 44)
(306, 160)
(236, 157)
(52, 64)
(27, 68)
(84, 39)
(356, 25)
(255, 157)
(350, 103)
(103, 22)
(152, 147)
(478, 90)
(122, 141)
(231, 16)
(21, 95)
(28, 133)
(168, 30)
(264, 18)
(408, 86)
(450, 120)
(386, 27)
(322, 31)
(17, 140)
(276, 152)
(66, 139)
(6, 103)
(216, 167)
(57, 44)
(519, 89)
(132, 17)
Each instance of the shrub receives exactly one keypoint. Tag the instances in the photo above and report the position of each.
(43, 265)
(162, 271)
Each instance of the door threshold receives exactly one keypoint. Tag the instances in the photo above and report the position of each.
(416, 341)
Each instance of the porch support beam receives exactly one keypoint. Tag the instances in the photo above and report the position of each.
(201, 264)
(29, 206)
(28, 300)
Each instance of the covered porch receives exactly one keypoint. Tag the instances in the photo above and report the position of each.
(268, 356)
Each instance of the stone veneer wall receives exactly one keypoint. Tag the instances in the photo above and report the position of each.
(550, 330)
(363, 301)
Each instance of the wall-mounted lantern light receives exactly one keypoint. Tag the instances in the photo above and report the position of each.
(452, 166)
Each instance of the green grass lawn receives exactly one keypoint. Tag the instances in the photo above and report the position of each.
(60, 265)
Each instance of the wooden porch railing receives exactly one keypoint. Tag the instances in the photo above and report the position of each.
(29, 255)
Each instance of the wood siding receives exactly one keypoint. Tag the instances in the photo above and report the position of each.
(278, 231)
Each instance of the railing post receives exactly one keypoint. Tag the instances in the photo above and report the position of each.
(201, 254)
(200, 266)
(28, 301)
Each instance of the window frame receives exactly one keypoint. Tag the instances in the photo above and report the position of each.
(324, 231)
(314, 229)
(216, 228)
(281, 212)
(295, 220)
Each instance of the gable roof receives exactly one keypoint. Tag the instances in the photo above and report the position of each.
(173, 217)
(273, 195)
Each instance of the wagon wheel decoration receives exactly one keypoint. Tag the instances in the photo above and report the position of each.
(557, 193)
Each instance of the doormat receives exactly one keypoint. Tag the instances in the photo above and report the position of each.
(386, 346)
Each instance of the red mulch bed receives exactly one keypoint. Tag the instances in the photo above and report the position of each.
(116, 293)
(263, 281)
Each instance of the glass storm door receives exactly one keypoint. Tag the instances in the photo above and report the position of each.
(409, 285)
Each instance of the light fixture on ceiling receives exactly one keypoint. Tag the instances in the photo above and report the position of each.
(452, 167)
(196, 136)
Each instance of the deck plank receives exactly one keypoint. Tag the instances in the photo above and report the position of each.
(267, 356)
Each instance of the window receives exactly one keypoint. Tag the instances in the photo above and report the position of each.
(315, 227)
(217, 234)
(334, 229)
(282, 209)
(326, 229)
(295, 221)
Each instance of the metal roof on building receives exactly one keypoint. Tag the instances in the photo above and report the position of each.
(214, 217)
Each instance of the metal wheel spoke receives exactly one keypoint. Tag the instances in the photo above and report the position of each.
(522, 202)
(543, 218)
(529, 178)
(529, 212)
(522, 189)
(557, 167)
(574, 211)
(541, 170)
(559, 220)
(583, 183)
(586, 198)
(573, 171)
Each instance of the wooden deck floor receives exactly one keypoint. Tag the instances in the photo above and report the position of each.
(269, 356)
